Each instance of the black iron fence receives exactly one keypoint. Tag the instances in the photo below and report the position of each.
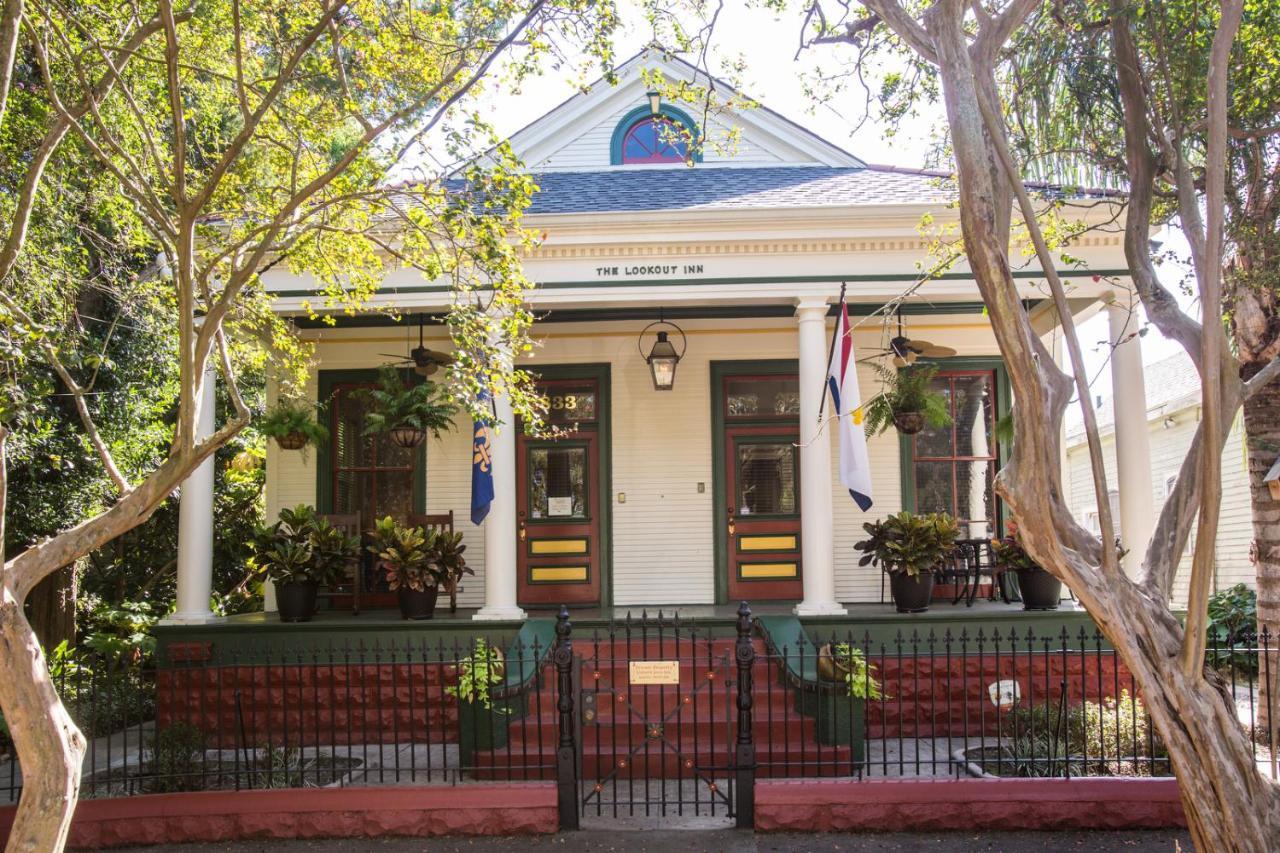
(645, 716)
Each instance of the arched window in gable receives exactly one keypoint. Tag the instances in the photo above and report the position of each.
(642, 138)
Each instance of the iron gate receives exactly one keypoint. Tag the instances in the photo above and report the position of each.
(655, 720)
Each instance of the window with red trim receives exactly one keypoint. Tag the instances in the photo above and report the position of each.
(654, 140)
(955, 465)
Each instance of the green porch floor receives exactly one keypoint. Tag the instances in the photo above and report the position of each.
(250, 635)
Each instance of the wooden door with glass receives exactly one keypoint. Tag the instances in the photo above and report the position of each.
(762, 487)
(559, 549)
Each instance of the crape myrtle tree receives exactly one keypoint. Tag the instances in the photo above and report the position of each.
(962, 46)
(1064, 125)
(225, 139)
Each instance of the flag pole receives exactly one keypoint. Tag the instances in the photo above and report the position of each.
(835, 335)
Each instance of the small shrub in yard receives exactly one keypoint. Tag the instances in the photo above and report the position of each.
(1233, 629)
(1108, 738)
(177, 759)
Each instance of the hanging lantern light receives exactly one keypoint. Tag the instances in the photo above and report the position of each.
(655, 102)
(663, 358)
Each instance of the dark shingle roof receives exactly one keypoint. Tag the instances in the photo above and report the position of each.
(702, 188)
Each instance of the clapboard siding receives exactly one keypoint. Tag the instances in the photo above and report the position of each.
(663, 545)
(1169, 446)
(588, 148)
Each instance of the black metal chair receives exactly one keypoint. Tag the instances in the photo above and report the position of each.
(981, 563)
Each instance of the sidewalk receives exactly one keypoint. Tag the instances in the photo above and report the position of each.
(728, 841)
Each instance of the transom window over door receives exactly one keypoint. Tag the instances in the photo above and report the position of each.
(954, 466)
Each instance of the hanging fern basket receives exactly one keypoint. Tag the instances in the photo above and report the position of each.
(407, 437)
(908, 423)
(292, 441)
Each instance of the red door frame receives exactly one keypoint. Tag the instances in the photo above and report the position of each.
(548, 533)
(742, 528)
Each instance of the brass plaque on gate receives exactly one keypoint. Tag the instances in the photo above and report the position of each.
(655, 672)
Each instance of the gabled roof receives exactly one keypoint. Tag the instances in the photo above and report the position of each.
(788, 142)
(720, 189)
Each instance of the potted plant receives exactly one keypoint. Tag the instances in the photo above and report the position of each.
(909, 548)
(293, 425)
(846, 682)
(482, 718)
(298, 553)
(406, 412)
(1040, 590)
(446, 553)
(906, 400)
(405, 554)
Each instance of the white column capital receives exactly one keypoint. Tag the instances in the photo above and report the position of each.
(809, 308)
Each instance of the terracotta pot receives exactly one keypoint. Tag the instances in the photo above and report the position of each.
(418, 605)
(908, 423)
(292, 441)
(407, 437)
(911, 594)
(831, 667)
(1040, 590)
(296, 602)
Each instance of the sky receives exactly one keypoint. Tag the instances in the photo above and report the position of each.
(767, 42)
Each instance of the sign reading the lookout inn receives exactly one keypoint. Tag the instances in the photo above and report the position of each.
(647, 270)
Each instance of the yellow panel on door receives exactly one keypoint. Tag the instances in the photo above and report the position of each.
(558, 574)
(784, 542)
(543, 547)
(767, 571)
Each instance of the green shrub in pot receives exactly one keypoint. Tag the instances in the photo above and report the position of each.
(406, 411)
(299, 553)
(293, 424)
(907, 400)
(909, 547)
(1040, 590)
(482, 719)
(406, 554)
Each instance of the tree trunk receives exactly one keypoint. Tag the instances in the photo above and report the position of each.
(51, 608)
(50, 748)
(1262, 428)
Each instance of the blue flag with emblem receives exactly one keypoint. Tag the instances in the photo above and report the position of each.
(481, 467)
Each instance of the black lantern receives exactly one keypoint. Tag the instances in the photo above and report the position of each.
(663, 358)
(655, 102)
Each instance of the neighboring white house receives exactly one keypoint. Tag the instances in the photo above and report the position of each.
(1173, 411)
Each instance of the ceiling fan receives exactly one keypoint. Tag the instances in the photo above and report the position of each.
(906, 350)
(423, 361)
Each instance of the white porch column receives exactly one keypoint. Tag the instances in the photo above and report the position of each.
(1133, 441)
(816, 528)
(195, 519)
(500, 524)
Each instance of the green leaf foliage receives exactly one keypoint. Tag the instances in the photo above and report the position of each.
(907, 543)
(907, 389)
(396, 402)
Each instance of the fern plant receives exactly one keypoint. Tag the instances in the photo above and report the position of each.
(477, 672)
(907, 390)
(851, 666)
(293, 424)
(395, 404)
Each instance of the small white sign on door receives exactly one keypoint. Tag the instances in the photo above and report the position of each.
(1004, 694)
(559, 506)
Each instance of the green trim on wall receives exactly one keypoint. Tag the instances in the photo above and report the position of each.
(1004, 395)
(852, 278)
(719, 501)
(674, 113)
(326, 380)
(604, 428)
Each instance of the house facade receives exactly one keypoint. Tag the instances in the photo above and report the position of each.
(1172, 416)
(723, 487)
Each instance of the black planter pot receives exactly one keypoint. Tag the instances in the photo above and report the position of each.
(418, 605)
(296, 601)
(911, 594)
(1040, 590)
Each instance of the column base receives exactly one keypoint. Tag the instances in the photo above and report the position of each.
(819, 608)
(499, 614)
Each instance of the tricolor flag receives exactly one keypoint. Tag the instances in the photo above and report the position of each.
(842, 381)
(481, 469)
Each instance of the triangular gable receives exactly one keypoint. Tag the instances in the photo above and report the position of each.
(577, 135)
